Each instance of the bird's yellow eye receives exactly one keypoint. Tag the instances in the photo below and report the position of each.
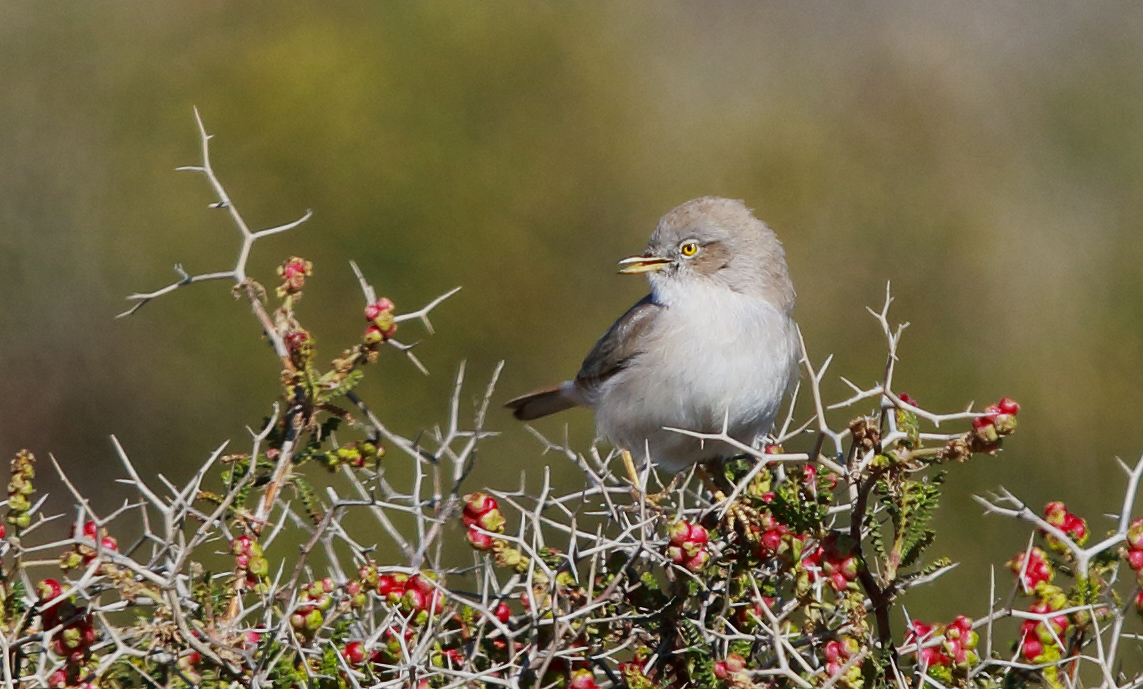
(689, 249)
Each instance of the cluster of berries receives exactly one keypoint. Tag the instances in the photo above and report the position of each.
(834, 558)
(688, 545)
(20, 488)
(249, 562)
(381, 327)
(1033, 569)
(957, 650)
(87, 550)
(1040, 639)
(1135, 557)
(773, 532)
(1056, 514)
(998, 420)
(359, 455)
(72, 641)
(314, 601)
(838, 652)
(482, 512)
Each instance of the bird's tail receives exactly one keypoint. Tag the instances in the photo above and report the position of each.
(541, 403)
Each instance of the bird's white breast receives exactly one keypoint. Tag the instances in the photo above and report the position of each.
(711, 354)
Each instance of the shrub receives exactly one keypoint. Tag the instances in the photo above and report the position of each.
(787, 574)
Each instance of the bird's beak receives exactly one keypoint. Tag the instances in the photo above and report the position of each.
(642, 264)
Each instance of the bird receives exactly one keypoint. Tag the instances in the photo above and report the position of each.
(713, 347)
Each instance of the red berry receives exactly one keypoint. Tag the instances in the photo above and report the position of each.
(1135, 559)
(453, 656)
(983, 422)
(479, 539)
(502, 613)
(832, 651)
(1007, 405)
(354, 653)
(583, 679)
(698, 561)
(89, 530)
(679, 532)
(907, 399)
(1031, 648)
(48, 589)
(372, 335)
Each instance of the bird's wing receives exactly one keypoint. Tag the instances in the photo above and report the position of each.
(614, 351)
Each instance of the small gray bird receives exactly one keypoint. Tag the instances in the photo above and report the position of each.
(713, 341)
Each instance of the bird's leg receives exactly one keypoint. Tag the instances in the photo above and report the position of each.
(636, 484)
(737, 511)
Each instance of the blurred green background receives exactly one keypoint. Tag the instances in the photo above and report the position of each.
(986, 158)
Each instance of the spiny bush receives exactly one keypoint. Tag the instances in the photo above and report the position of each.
(787, 570)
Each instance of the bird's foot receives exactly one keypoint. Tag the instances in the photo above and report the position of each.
(736, 513)
(740, 516)
(637, 491)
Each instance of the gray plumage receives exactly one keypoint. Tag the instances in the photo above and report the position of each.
(714, 341)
